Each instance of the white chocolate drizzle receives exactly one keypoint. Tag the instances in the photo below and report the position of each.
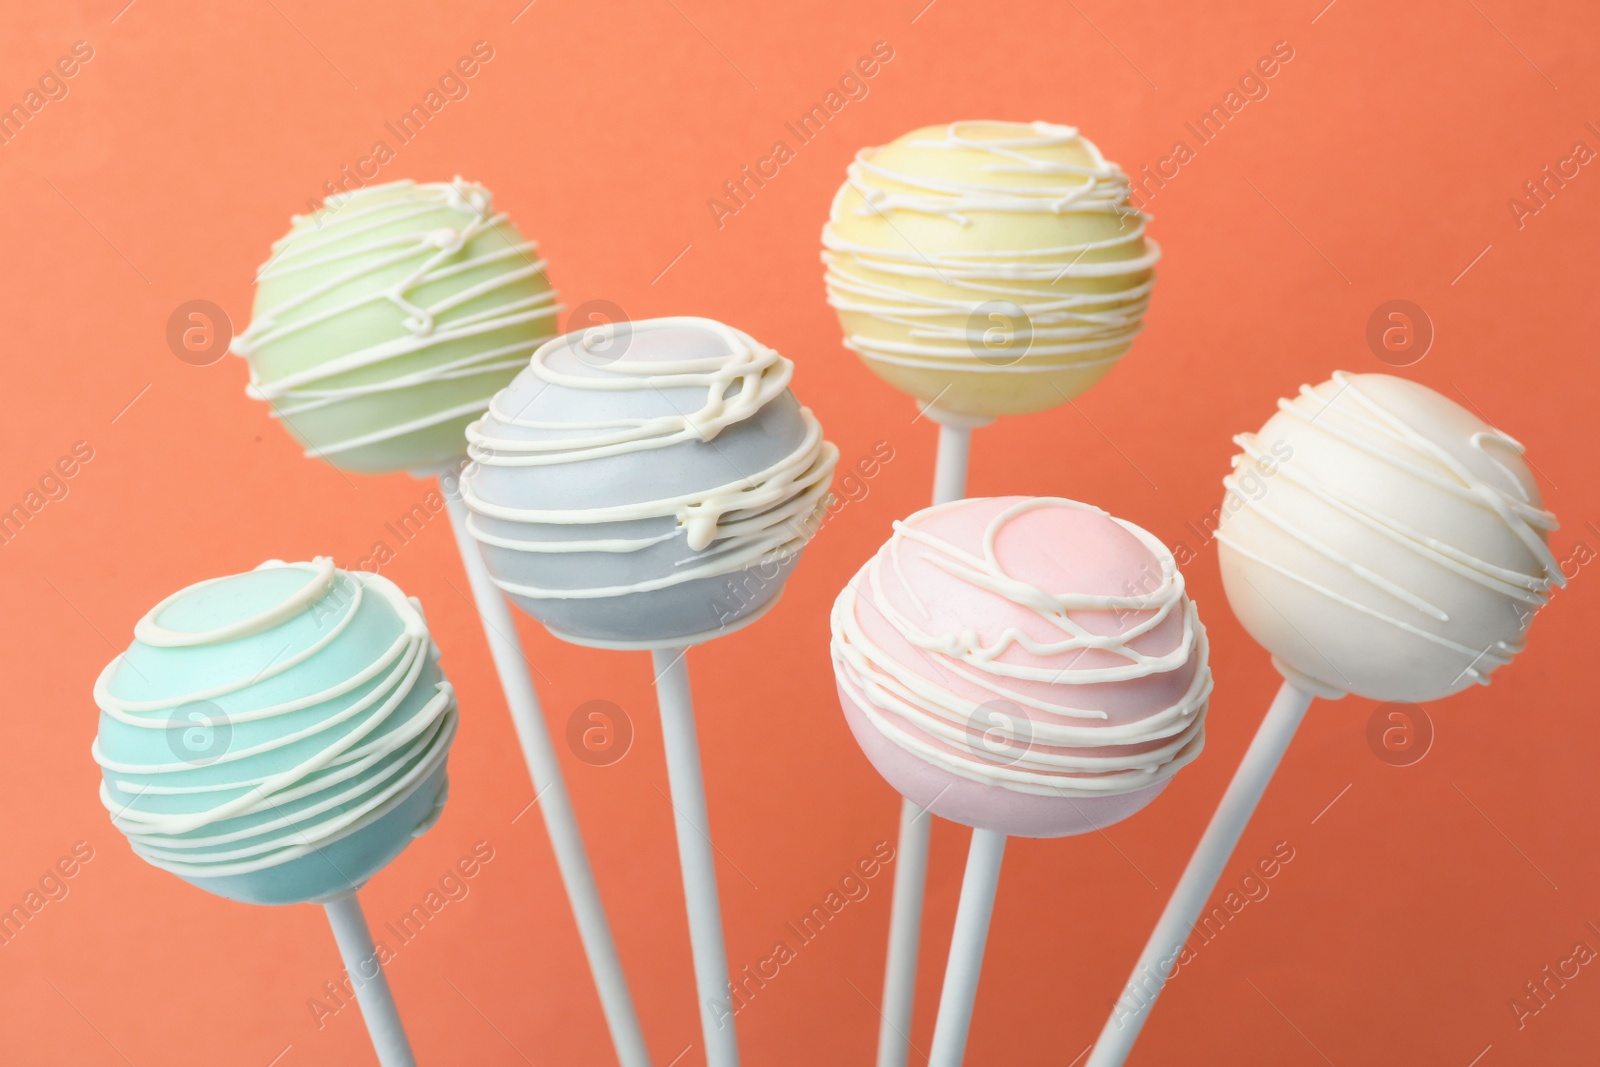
(732, 526)
(1367, 426)
(359, 775)
(351, 244)
(926, 719)
(1066, 327)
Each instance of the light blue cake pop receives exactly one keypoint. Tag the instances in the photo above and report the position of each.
(276, 736)
(646, 483)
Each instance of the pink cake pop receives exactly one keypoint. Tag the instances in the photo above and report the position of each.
(1026, 665)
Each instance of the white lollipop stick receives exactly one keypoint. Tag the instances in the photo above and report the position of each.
(905, 932)
(550, 790)
(966, 948)
(694, 853)
(372, 988)
(1200, 877)
(911, 855)
(950, 463)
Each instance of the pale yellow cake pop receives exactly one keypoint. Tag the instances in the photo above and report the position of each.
(988, 268)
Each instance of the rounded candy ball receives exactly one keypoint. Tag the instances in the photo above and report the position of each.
(276, 736)
(1380, 539)
(1026, 665)
(988, 268)
(647, 484)
(385, 321)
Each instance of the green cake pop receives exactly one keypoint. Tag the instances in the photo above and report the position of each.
(384, 322)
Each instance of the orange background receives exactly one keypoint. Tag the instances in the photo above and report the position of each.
(1379, 166)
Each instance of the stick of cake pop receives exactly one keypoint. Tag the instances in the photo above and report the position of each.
(398, 394)
(695, 857)
(986, 268)
(967, 942)
(1024, 666)
(1157, 961)
(372, 988)
(544, 767)
(950, 461)
(651, 488)
(214, 772)
(1376, 538)
(911, 852)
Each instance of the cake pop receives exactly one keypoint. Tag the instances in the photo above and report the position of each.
(1377, 538)
(383, 325)
(648, 490)
(988, 268)
(278, 737)
(651, 485)
(1026, 666)
(385, 322)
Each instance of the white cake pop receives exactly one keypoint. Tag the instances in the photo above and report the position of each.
(1378, 538)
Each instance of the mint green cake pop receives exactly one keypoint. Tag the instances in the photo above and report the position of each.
(276, 736)
(384, 322)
